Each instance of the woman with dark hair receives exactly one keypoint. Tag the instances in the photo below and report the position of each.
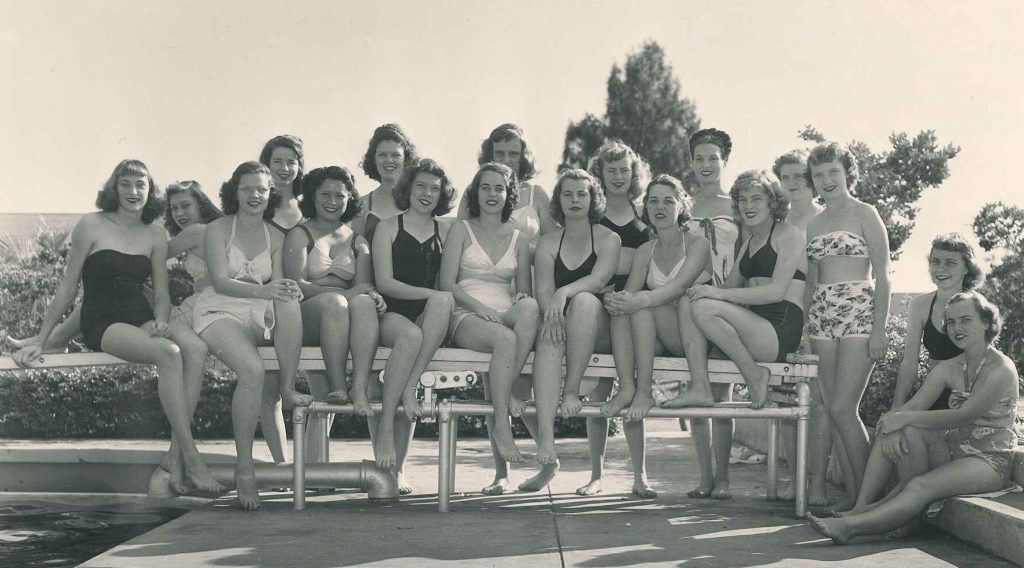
(113, 252)
(507, 145)
(964, 449)
(803, 201)
(249, 303)
(407, 252)
(623, 175)
(848, 277)
(710, 149)
(488, 316)
(648, 305)
(387, 155)
(953, 269)
(331, 264)
(575, 323)
(284, 156)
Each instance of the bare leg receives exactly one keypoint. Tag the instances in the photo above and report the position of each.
(364, 318)
(843, 391)
(288, 346)
(820, 448)
(404, 338)
(59, 338)
(597, 440)
(547, 379)
(622, 348)
(193, 355)
(722, 430)
(585, 323)
(696, 347)
(325, 322)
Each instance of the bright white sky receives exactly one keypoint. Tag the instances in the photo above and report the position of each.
(194, 88)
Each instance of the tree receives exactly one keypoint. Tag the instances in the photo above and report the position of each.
(999, 228)
(893, 180)
(645, 110)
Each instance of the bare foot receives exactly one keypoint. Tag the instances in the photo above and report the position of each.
(411, 405)
(593, 488)
(832, 528)
(292, 398)
(201, 478)
(816, 497)
(642, 489)
(497, 487)
(176, 468)
(614, 406)
(546, 455)
(700, 492)
(641, 405)
(759, 389)
(570, 407)
(721, 491)
(844, 505)
(360, 404)
(516, 407)
(690, 398)
(384, 450)
(403, 484)
(339, 396)
(505, 442)
(246, 490)
(541, 480)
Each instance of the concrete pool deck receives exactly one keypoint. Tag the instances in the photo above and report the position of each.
(549, 528)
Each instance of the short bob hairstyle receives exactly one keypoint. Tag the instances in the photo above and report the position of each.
(683, 198)
(988, 311)
(614, 150)
(293, 143)
(504, 133)
(597, 199)
(108, 200)
(778, 201)
(386, 132)
(511, 190)
(316, 177)
(829, 152)
(954, 242)
(403, 190)
(796, 157)
(207, 210)
(712, 136)
(229, 189)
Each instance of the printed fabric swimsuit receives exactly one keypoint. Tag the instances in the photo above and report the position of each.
(993, 445)
(112, 293)
(488, 282)
(842, 309)
(527, 220)
(196, 268)
(785, 317)
(940, 348)
(255, 314)
(632, 234)
(722, 232)
(416, 264)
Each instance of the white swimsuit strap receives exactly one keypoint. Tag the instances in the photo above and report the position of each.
(472, 237)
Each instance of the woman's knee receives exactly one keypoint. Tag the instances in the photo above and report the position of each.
(409, 337)
(362, 303)
(334, 305)
(440, 304)
(704, 309)
(841, 410)
(167, 352)
(505, 340)
(527, 308)
(584, 304)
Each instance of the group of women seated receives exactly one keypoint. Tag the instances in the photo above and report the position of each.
(611, 261)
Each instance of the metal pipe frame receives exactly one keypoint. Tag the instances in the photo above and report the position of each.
(447, 413)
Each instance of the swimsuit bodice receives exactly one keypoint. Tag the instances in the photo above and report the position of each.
(837, 243)
(257, 270)
(476, 265)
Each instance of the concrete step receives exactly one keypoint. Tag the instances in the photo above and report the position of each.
(995, 525)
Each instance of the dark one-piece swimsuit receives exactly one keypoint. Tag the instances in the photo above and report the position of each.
(632, 234)
(112, 293)
(416, 264)
(940, 348)
(564, 276)
(785, 317)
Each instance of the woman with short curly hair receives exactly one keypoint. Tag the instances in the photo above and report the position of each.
(387, 154)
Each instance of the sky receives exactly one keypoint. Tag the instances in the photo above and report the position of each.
(195, 88)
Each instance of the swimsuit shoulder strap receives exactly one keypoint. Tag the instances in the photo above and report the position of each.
(266, 236)
(310, 244)
(592, 249)
(231, 237)
(472, 237)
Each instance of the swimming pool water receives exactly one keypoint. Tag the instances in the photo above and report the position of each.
(54, 532)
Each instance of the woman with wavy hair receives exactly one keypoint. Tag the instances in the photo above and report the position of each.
(285, 156)
(507, 145)
(112, 253)
(575, 324)
(332, 265)
(966, 448)
(953, 269)
(407, 259)
(387, 154)
(485, 258)
(250, 303)
(848, 278)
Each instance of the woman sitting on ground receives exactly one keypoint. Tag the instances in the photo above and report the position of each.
(249, 303)
(407, 258)
(113, 252)
(648, 303)
(188, 211)
(575, 323)
(965, 449)
(331, 264)
(488, 317)
(953, 269)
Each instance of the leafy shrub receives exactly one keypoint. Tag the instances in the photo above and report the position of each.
(878, 396)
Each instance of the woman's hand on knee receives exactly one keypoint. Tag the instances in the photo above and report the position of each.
(894, 446)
